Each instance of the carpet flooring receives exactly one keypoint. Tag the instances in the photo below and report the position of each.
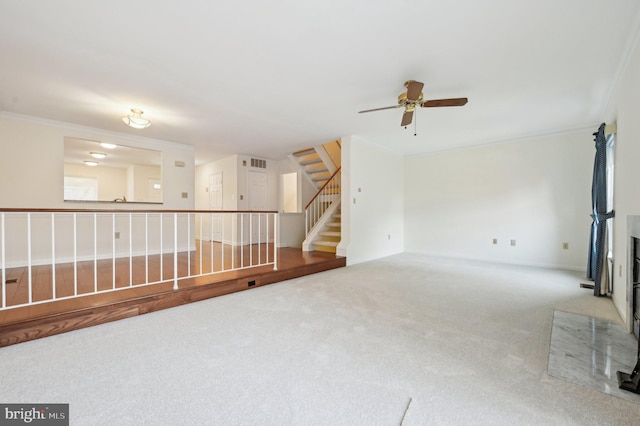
(408, 339)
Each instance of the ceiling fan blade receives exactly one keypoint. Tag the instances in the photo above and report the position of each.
(414, 88)
(444, 102)
(406, 118)
(380, 109)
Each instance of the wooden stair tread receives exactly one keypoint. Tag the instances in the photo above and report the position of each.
(303, 152)
(330, 233)
(310, 161)
(326, 243)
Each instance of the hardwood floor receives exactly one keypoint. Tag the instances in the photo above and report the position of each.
(133, 295)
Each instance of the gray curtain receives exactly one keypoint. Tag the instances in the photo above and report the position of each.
(596, 265)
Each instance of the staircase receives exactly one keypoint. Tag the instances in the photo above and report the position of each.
(313, 166)
(329, 238)
(321, 165)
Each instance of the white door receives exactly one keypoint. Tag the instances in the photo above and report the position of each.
(215, 203)
(258, 201)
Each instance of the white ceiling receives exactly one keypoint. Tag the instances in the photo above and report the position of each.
(269, 77)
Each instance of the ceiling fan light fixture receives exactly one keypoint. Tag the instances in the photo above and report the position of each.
(135, 119)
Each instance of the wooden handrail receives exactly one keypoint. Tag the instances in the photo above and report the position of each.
(43, 210)
(323, 186)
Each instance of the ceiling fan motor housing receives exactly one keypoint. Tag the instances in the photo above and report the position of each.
(408, 104)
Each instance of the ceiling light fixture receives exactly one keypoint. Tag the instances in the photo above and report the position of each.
(135, 119)
(107, 145)
(98, 155)
(91, 163)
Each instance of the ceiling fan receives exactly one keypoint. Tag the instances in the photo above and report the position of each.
(413, 97)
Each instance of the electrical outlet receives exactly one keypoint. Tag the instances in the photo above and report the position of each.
(185, 195)
(389, 237)
(513, 243)
(565, 246)
(116, 235)
(495, 241)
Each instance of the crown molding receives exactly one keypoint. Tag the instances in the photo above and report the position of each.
(93, 130)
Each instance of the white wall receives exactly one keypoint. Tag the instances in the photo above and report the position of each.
(32, 176)
(138, 181)
(535, 191)
(32, 164)
(372, 201)
(625, 110)
(229, 168)
(234, 185)
(235, 189)
(292, 224)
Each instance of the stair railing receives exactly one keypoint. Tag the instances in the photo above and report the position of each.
(320, 202)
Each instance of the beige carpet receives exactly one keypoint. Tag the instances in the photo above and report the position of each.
(409, 340)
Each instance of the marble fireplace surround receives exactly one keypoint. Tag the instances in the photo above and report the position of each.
(588, 351)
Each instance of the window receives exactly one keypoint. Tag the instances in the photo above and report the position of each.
(80, 188)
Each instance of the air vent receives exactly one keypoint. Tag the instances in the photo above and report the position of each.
(258, 163)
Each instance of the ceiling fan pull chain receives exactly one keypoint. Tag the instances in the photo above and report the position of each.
(415, 123)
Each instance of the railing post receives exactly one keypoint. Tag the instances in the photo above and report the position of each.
(146, 248)
(233, 239)
(75, 254)
(130, 249)
(200, 239)
(29, 257)
(161, 249)
(276, 217)
(53, 255)
(266, 245)
(175, 251)
(113, 253)
(4, 266)
(95, 252)
(222, 242)
(188, 245)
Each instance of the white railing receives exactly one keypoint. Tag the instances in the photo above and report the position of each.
(329, 193)
(49, 255)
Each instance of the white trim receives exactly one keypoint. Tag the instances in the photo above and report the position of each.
(501, 261)
(516, 139)
(100, 132)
